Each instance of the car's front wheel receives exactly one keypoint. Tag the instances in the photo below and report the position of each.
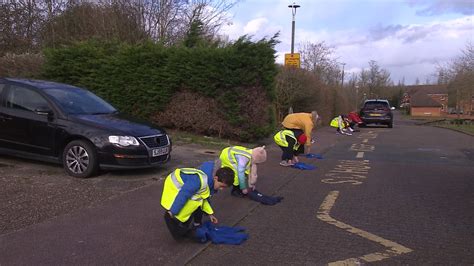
(80, 159)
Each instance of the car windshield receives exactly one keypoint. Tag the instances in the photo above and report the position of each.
(79, 101)
(375, 105)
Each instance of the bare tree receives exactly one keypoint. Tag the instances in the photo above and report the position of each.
(28, 25)
(169, 21)
(19, 26)
(459, 76)
(160, 19)
(317, 58)
(71, 21)
(211, 13)
(376, 78)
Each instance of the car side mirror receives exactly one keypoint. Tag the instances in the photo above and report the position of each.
(44, 110)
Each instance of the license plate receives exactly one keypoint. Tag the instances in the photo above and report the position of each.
(159, 151)
(375, 115)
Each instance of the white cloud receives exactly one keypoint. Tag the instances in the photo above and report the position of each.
(255, 25)
(407, 46)
(436, 7)
(406, 52)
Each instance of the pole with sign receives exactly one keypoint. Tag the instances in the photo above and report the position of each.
(292, 60)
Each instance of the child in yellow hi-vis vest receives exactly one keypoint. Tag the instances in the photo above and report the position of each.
(341, 124)
(292, 144)
(185, 197)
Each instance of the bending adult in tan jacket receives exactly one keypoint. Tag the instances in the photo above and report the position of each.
(304, 122)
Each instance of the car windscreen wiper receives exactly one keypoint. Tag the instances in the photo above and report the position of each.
(103, 113)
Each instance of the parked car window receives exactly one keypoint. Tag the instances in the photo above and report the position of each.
(24, 99)
(78, 101)
(375, 105)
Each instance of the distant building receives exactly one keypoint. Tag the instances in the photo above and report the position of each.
(467, 107)
(426, 100)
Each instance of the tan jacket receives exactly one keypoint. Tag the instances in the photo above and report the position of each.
(303, 121)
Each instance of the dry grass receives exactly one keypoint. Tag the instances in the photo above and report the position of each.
(469, 129)
(182, 137)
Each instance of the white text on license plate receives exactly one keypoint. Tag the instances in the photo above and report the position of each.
(159, 151)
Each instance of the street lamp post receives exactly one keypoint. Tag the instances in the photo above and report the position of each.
(293, 12)
(343, 64)
(357, 96)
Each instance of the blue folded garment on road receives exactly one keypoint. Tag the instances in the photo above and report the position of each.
(221, 234)
(303, 166)
(264, 199)
(313, 155)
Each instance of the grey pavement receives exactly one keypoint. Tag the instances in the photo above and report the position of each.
(132, 224)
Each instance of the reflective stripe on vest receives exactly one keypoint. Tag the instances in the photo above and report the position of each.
(174, 183)
(280, 139)
(235, 150)
(178, 183)
(228, 159)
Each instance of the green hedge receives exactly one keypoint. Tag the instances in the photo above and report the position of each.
(142, 79)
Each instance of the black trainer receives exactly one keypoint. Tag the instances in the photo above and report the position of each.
(236, 192)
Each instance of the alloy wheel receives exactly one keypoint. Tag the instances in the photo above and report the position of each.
(77, 159)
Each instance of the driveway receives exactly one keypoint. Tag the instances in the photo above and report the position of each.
(32, 192)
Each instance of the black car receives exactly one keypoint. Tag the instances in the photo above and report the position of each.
(377, 112)
(61, 123)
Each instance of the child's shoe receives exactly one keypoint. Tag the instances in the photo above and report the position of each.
(285, 163)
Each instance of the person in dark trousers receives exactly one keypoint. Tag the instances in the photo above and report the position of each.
(302, 122)
(186, 194)
(292, 144)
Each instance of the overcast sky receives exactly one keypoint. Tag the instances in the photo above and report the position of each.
(409, 38)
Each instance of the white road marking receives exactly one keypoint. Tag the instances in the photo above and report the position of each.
(348, 172)
(360, 154)
(365, 141)
(362, 147)
(394, 249)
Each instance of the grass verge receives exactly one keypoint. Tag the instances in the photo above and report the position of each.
(182, 137)
(469, 129)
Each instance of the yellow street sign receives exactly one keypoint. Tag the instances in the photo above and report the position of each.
(292, 60)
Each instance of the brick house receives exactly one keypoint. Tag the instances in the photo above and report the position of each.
(426, 100)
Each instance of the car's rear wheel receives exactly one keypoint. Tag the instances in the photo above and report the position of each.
(80, 159)
(390, 125)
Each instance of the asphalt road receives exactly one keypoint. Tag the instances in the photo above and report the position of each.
(395, 196)
(382, 196)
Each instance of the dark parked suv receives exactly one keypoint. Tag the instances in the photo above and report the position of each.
(377, 112)
(61, 123)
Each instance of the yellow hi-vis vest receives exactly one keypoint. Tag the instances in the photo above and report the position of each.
(335, 122)
(228, 159)
(280, 139)
(172, 186)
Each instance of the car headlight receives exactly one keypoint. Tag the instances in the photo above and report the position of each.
(124, 140)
